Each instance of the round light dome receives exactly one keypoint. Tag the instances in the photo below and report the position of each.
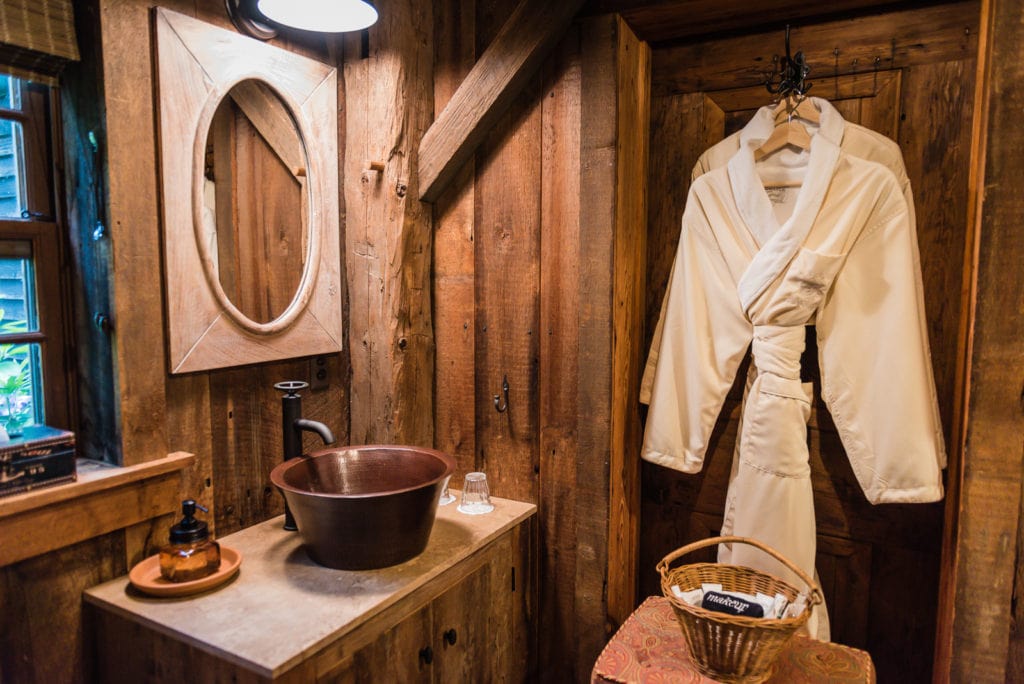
(325, 16)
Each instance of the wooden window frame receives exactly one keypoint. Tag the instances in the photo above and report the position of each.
(45, 229)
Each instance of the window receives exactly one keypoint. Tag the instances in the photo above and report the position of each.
(34, 374)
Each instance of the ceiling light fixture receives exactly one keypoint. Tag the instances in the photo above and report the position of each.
(259, 18)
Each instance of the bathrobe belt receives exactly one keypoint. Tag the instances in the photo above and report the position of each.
(776, 350)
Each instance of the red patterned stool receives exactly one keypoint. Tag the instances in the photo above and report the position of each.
(649, 647)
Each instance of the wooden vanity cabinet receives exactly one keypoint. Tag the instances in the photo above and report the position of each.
(463, 611)
(474, 631)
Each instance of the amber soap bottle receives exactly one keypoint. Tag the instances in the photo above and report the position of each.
(191, 554)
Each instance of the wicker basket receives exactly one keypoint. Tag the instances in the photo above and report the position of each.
(733, 648)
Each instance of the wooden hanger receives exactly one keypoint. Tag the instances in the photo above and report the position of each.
(790, 133)
(796, 107)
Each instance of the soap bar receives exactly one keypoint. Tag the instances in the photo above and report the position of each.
(731, 604)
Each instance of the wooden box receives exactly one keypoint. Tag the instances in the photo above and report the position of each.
(43, 456)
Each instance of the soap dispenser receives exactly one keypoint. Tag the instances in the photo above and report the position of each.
(191, 554)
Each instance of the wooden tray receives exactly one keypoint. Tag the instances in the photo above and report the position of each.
(145, 576)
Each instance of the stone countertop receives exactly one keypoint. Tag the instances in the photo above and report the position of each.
(281, 607)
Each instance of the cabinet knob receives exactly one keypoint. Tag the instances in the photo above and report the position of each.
(426, 655)
(451, 636)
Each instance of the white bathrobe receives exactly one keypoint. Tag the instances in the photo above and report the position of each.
(840, 252)
(852, 138)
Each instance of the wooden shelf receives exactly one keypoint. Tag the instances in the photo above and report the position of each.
(103, 499)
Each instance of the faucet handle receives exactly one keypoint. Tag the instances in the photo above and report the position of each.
(291, 387)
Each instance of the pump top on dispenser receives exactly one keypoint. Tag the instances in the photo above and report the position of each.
(189, 529)
(191, 554)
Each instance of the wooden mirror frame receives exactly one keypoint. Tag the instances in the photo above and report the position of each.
(197, 64)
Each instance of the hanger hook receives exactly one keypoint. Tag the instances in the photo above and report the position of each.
(498, 406)
(790, 72)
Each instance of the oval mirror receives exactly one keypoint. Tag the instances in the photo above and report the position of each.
(255, 202)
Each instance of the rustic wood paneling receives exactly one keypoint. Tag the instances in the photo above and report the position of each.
(559, 372)
(937, 158)
(507, 218)
(898, 39)
(507, 266)
(188, 401)
(156, 413)
(240, 468)
(543, 304)
(664, 20)
(632, 82)
(454, 256)
(134, 217)
(388, 231)
(985, 637)
(863, 549)
(81, 104)
(41, 630)
(268, 237)
(597, 225)
(494, 82)
(681, 127)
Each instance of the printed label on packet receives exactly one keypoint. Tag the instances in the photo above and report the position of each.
(732, 605)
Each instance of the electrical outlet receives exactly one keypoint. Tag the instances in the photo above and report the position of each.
(318, 376)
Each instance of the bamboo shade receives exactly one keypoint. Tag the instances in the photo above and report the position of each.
(37, 37)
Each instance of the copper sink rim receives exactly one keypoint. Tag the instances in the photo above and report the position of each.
(277, 474)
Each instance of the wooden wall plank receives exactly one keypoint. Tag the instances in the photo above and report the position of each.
(921, 36)
(937, 159)
(983, 553)
(681, 127)
(454, 252)
(633, 62)
(882, 112)
(559, 370)
(493, 83)
(598, 127)
(97, 429)
(388, 232)
(234, 409)
(507, 267)
(41, 630)
(132, 202)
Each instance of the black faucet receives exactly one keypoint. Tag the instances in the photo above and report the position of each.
(293, 424)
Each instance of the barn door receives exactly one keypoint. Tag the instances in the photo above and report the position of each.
(878, 565)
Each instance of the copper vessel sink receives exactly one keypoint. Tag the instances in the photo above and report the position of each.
(364, 507)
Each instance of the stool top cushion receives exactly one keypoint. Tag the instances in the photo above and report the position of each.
(650, 647)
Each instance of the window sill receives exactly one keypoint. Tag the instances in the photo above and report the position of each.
(103, 499)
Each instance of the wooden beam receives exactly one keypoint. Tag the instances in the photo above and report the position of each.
(388, 235)
(598, 150)
(492, 84)
(664, 20)
(632, 82)
(981, 641)
(923, 36)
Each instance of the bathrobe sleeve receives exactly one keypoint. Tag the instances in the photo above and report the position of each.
(702, 166)
(876, 372)
(704, 337)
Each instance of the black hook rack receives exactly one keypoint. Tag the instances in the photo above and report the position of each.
(789, 74)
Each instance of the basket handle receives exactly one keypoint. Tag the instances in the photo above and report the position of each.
(663, 565)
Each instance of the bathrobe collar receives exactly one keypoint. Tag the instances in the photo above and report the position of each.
(756, 210)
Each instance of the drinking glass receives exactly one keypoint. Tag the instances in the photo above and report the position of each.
(476, 498)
